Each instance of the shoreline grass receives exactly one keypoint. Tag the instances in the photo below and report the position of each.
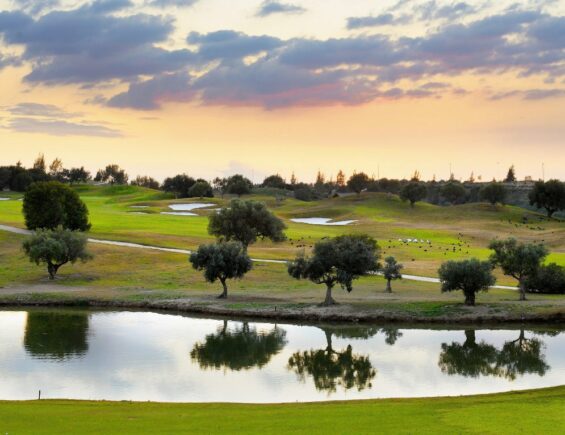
(530, 411)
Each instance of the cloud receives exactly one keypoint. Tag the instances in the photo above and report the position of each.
(169, 3)
(270, 7)
(34, 6)
(370, 21)
(60, 128)
(530, 94)
(36, 109)
(104, 44)
(433, 10)
(52, 120)
(228, 44)
(150, 94)
(90, 44)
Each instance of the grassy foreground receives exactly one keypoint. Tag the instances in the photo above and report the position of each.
(536, 411)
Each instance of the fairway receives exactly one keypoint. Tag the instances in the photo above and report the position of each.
(436, 233)
(536, 411)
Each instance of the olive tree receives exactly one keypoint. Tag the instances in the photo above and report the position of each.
(201, 189)
(391, 271)
(518, 260)
(547, 279)
(337, 261)
(56, 248)
(413, 192)
(50, 204)
(470, 276)
(246, 221)
(220, 262)
(238, 185)
(358, 182)
(549, 195)
(493, 193)
(453, 192)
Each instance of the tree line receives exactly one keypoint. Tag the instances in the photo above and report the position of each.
(549, 195)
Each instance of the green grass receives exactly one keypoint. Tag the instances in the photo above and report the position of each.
(535, 411)
(468, 228)
(156, 276)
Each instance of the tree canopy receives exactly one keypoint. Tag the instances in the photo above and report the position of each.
(275, 181)
(549, 195)
(238, 185)
(547, 279)
(470, 276)
(493, 193)
(518, 260)
(340, 260)
(453, 192)
(221, 261)
(358, 182)
(56, 248)
(413, 192)
(246, 221)
(50, 204)
(112, 174)
(179, 185)
(201, 189)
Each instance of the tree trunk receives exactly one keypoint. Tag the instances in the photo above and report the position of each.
(224, 294)
(388, 286)
(52, 270)
(522, 286)
(329, 300)
(470, 299)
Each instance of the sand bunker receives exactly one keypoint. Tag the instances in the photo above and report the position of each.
(179, 213)
(321, 221)
(189, 207)
(4, 199)
(185, 209)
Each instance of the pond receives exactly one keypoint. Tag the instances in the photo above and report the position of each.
(147, 356)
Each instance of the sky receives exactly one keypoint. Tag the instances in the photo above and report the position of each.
(215, 87)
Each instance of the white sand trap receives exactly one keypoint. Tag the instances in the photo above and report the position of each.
(179, 213)
(4, 199)
(321, 221)
(189, 207)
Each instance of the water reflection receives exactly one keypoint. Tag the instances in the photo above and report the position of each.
(132, 355)
(241, 348)
(330, 368)
(472, 359)
(56, 335)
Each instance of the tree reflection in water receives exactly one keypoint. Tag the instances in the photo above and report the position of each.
(330, 368)
(56, 335)
(239, 349)
(516, 357)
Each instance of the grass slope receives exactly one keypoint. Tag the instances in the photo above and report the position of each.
(152, 276)
(454, 232)
(536, 411)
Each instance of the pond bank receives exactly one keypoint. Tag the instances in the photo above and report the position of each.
(417, 312)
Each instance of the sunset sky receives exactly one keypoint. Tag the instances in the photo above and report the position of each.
(214, 87)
